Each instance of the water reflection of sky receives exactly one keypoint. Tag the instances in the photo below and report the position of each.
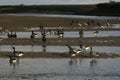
(67, 34)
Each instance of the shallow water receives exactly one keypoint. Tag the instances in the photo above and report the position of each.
(60, 69)
(32, 48)
(67, 34)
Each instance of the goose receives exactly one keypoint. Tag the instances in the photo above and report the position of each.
(12, 35)
(13, 59)
(73, 51)
(60, 32)
(96, 33)
(33, 35)
(43, 36)
(85, 47)
(61, 35)
(81, 32)
(16, 53)
(88, 49)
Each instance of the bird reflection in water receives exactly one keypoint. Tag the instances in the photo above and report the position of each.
(93, 62)
(13, 61)
(44, 48)
(74, 61)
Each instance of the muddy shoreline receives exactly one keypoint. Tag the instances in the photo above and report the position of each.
(58, 55)
(11, 22)
(93, 41)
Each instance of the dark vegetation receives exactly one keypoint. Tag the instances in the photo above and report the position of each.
(103, 9)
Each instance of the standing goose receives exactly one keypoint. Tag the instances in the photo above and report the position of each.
(43, 36)
(16, 53)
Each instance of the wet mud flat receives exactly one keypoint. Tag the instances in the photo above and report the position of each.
(93, 41)
(59, 55)
(18, 23)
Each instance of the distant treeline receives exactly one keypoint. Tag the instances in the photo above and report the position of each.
(104, 9)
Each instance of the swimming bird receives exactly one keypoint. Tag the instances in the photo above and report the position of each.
(13, 59)
(73, 51)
